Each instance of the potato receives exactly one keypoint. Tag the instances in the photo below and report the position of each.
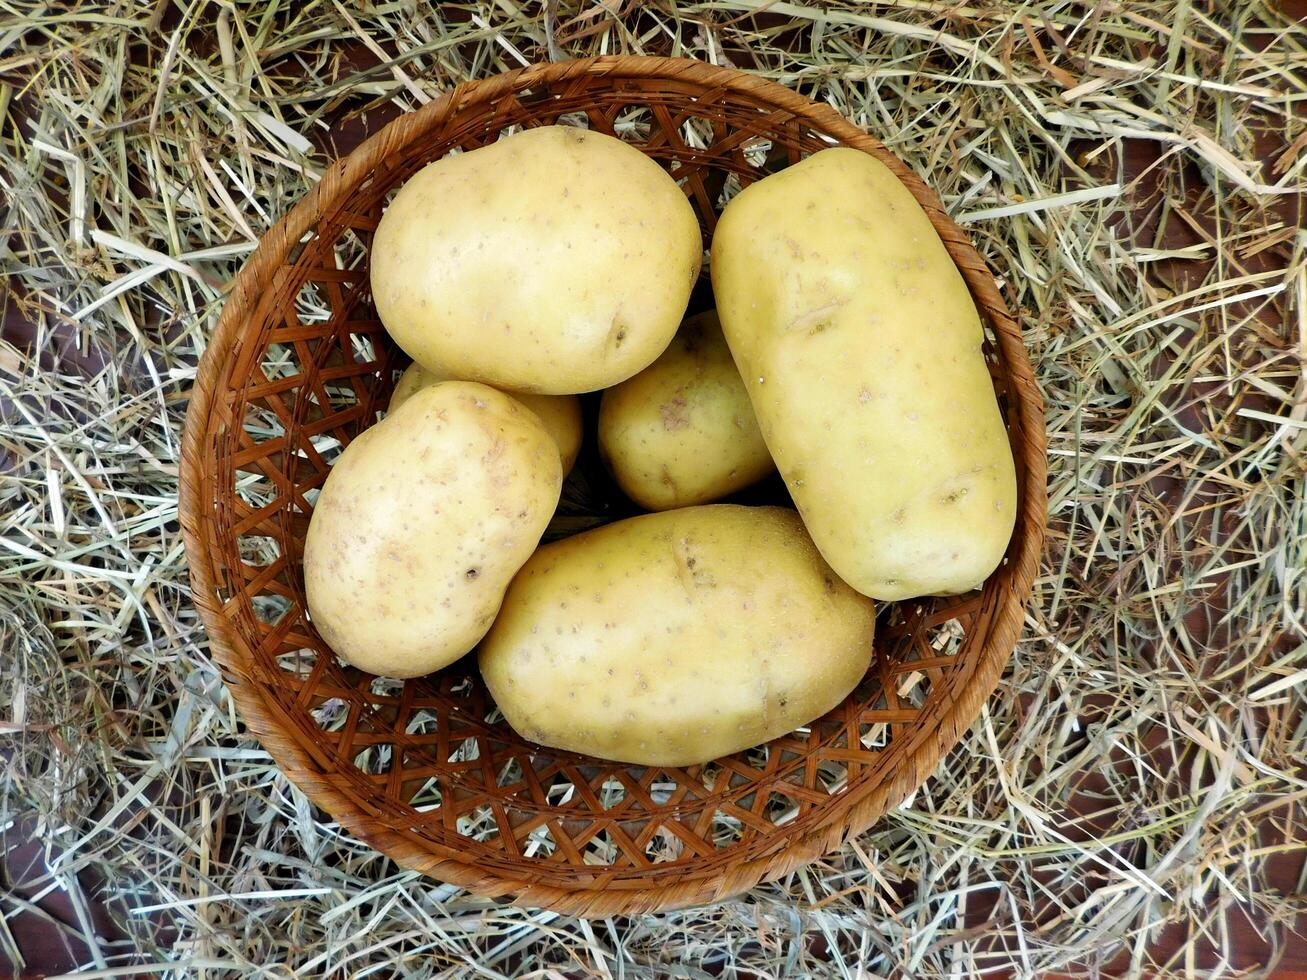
(860, 348)
(682, 431)
(671, 639)
(561, 414)
(555, 261)
(422, 522)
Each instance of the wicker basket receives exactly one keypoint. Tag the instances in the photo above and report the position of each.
(426, 771)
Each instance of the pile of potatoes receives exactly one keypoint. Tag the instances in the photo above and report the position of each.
(844, 352)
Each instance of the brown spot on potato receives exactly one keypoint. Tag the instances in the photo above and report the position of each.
(814, 320)
(674, 414)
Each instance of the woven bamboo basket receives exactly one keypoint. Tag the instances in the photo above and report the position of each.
(426, 771)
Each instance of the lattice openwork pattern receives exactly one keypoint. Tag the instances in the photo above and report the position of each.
(427, 770)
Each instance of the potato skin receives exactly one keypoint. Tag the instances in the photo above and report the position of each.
(561, 414)
(860, 347)
(421, 524)
(557, 260)
(682, 431)
(674, 638)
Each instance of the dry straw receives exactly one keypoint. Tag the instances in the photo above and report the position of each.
(1133, 793)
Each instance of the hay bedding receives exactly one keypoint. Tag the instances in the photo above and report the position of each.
(1133, 798)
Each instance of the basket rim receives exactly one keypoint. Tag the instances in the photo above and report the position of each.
(851, 814)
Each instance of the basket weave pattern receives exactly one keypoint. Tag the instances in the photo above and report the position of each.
(426, 770)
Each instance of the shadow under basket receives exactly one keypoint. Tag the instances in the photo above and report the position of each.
(426, 770)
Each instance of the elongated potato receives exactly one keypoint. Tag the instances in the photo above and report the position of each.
(671, 639)
(561, 414)
(556, 261)
(682, 431)
(422, 522)
(860, 347)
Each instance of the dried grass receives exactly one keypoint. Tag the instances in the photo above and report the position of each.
(1142, 762)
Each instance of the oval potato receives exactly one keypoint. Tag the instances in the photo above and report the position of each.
(561, 414)
(557, 260)
(860, 347)
(421, 524)
(671, 639)
(682, 431)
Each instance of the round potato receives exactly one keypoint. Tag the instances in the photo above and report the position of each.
(561, 414)
(860, 347)
(671, 639)
(557, 260)
(682, 431)
(421, 524)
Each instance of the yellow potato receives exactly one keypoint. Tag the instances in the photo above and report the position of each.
(421, 524)
(861, 350)
(556, 260)
(682, 431)
(561, 414)
(671, 639)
